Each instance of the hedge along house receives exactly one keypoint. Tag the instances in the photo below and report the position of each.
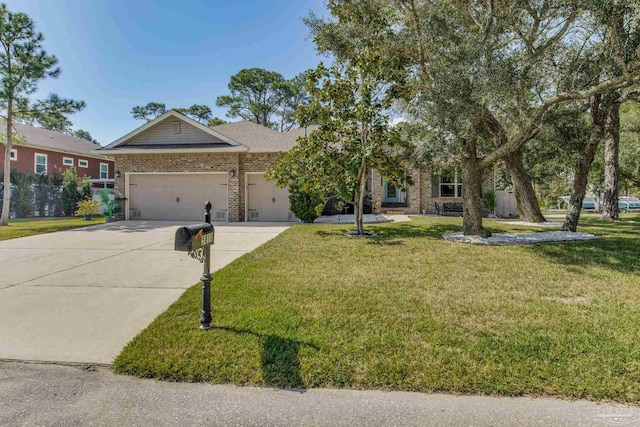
(167, 168)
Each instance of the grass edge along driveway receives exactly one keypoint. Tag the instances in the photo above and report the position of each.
(409, 311)
(24, 227)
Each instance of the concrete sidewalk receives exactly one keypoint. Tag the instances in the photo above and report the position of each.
(80, 295)
(35, 394)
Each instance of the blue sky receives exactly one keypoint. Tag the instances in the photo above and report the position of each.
(115, 54)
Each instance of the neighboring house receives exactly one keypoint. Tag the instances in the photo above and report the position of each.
(167, 168)
(36, 151)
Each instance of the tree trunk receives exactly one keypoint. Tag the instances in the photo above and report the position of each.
(611, 209)
(6, 196)
(359, 197)
(580, 181)
(472, 193)
(528, 207)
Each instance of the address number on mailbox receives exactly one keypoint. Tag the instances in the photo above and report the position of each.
(194, 237)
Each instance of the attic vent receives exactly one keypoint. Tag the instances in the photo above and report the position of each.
(254, 214)
(220, 215)
(176, 127)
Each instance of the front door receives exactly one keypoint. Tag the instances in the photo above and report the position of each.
(391, 193)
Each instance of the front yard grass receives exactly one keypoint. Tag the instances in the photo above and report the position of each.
(409, 311)
(23, 227)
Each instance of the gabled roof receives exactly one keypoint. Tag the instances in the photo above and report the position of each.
(51, 140)
(293, 135)
(255, 137)
(242, 136)
(171, 113)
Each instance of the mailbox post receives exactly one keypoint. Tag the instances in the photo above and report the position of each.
(197, 240)
(205, 317)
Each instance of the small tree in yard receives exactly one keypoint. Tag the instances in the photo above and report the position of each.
(348, 102)
(23, 63)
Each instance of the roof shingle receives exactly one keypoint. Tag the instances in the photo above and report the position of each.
(50, 139)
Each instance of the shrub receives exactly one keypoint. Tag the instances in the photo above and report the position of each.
(22, 197)
(306, 205)
(110, 206)
(55, 194)
(41, 192)
(489, 200)
(74, 190)
(88, 207)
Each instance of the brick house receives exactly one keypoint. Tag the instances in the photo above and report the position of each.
(36, 150)
(167, 168)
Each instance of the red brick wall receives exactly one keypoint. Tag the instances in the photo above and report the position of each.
(26, 161)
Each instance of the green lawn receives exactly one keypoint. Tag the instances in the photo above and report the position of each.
(409, 311)
(23, 227)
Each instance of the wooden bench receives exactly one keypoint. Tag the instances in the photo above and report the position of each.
(449, 209)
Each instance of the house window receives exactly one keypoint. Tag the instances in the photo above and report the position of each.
(40, 163)
(104, 171)
(176, 127)
(451, 185)
(14, 154)
(83, 163)
(67, 161)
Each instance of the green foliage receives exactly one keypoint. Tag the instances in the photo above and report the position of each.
(23, 63)
(87, 207)
(22, 200)
(83, 134)
(110, 205)
(148, 112)
(42, 191)
(264, 97)
(216, 121)
(55, 193)
(354, 136)
(74, 190)
(481, 76)
(489, 200)
(50, 113)
(306, 204)
(199, 113)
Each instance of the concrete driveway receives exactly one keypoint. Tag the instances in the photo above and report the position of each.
(80, 295)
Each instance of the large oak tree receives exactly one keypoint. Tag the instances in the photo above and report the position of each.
(485, 73)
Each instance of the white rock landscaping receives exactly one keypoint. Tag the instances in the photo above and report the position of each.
(534, 224)
(501, 239)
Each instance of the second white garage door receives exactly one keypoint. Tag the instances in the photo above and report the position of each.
(265, 201)
(177, 196)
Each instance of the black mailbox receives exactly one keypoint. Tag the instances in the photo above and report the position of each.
(194, 237)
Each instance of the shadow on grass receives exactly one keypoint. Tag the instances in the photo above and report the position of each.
(393, 235)
(280, 358)
(617, 250)
(408, 230)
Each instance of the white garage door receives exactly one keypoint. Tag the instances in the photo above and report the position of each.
(177, 196)
(265, 201)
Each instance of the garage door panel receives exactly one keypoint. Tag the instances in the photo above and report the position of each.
(265, 201)
(177, 196)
